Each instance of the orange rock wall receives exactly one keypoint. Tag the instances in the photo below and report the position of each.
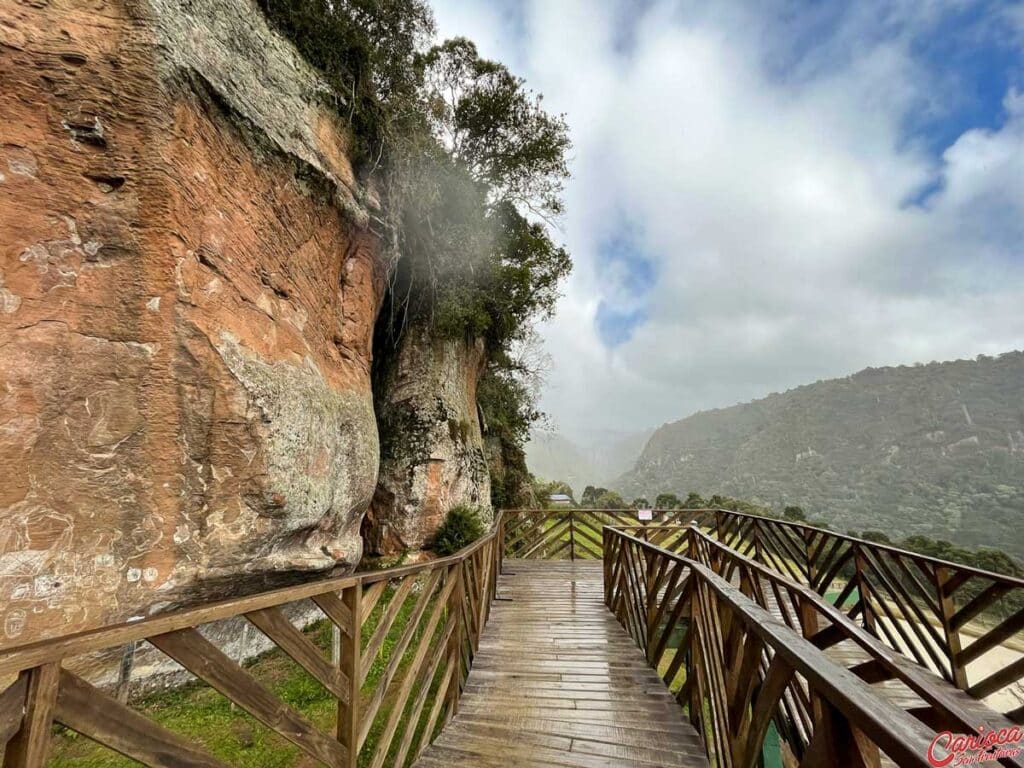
(187, 304)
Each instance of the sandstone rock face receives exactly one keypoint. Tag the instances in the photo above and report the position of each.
(187, 302)
(432, 455)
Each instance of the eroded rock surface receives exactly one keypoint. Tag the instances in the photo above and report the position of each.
(187, 301)
(432, 455)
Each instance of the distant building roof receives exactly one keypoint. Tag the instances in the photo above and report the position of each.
(559, 497)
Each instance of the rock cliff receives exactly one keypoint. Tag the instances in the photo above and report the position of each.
(432, 454)
(188, 292)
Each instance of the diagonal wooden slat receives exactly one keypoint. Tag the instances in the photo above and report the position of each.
(419, 702)
(387, 619)
(371, 596)
(207, 662)
(273, 623)
(993, 638)
(428, 593)
(977, 604)
(335, 610)
(415, 672)
(105, 720)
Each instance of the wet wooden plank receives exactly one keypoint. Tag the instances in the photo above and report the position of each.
(557, 681)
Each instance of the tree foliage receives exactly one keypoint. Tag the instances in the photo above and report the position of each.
(471, 168)
(461, 527)
(495, 128)
(667, 501)
(369, 52)
(543, 490)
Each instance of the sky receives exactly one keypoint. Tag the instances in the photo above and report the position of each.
(767, 194)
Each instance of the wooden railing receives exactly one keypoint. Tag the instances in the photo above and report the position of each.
(566, 533)
(964, 623)
(407, 640)
(738, 670)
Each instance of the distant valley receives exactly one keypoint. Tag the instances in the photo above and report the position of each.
(595, 458)
(933, 449)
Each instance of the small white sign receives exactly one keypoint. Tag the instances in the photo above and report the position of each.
(645, 514)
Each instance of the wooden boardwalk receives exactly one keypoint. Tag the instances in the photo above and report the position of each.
(558, 682)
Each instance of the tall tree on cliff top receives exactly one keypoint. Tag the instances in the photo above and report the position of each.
(480, 260)
(472, 170)
(476, 262)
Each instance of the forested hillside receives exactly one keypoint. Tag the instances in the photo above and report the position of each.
(936, 450)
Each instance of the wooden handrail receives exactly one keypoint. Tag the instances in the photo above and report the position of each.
(942, 615)
(949, 618)
(874, 545)
(705, 516)
(446, 603)
(744, 668)
(826, 626)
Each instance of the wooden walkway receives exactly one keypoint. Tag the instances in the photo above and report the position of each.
(558, 682)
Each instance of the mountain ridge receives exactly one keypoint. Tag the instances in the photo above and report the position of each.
(934, 449)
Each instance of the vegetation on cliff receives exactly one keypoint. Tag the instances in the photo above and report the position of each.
(461, 527)
(470, 169)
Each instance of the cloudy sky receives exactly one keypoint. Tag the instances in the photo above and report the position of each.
(769, 193)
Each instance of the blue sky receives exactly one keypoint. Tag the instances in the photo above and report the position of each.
(765, 194)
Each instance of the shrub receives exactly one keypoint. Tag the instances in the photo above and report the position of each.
(462, 526)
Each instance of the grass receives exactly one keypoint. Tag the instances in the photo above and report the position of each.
(204, 717)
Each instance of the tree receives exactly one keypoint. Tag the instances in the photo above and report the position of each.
(879, 537)
(610, 500)
(369, 52)
(640, 502)
(544, 490)
(694, 501)
(794, 514)
(495, 128)
(591, 495)
(667, 501)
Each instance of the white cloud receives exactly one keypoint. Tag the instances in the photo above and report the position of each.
(773, 206)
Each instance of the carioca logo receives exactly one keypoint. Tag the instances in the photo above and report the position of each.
(950, 749)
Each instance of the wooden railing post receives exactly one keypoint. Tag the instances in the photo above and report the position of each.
(758, 547)
(349, 662)
(606, 563)
(455, 642)
(692, 663)
(501, 541)
(29, 746)
(946, 610)
(812, 566)
(572, 535)
(651, 593)
(837, 742)
(124, 672)
(860, 568)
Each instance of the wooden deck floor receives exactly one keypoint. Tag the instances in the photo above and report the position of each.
(558, 682)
